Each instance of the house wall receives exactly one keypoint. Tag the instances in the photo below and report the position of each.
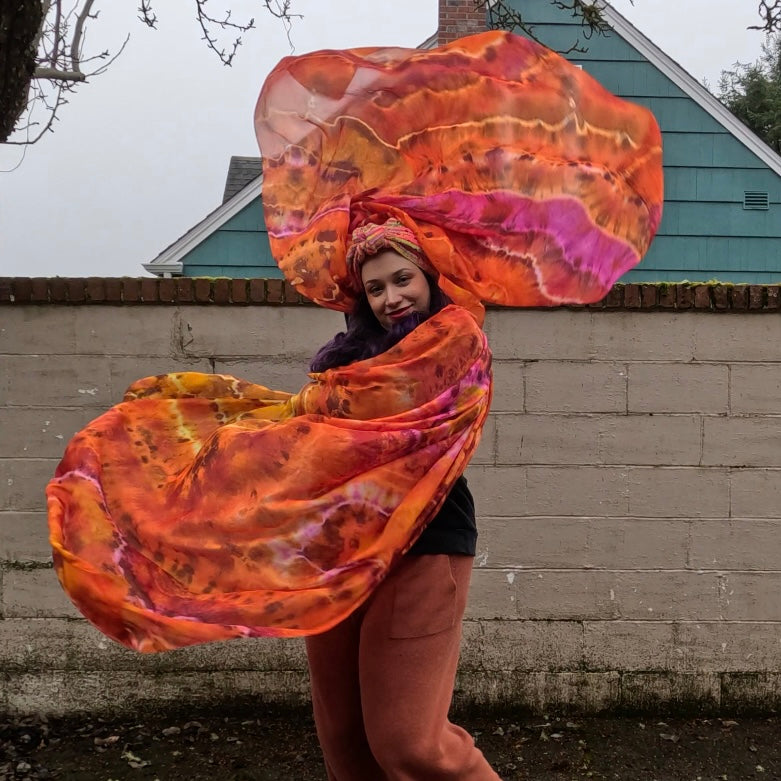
(239, 248)
(627, 488)
(705, 233)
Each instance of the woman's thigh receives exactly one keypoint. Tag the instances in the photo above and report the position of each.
(410, 641)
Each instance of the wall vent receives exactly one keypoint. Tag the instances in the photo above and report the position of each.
(753, 199)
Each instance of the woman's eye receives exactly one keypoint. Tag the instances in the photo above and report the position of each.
(403, 280)
(374, 291)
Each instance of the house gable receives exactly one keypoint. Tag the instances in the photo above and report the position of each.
(711, 160)
(232, 241)
(713, 166)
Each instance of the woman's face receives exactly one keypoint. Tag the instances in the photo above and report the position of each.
(395, 287)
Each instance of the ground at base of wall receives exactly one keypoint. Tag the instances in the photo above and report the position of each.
(282, 746)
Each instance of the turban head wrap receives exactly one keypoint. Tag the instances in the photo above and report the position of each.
(371, 239)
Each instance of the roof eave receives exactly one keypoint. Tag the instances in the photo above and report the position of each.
(172, 255)
(170, 269)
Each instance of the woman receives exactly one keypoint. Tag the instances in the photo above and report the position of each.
(204, 507)
(382, 680)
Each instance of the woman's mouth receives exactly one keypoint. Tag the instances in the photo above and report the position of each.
(399, 313)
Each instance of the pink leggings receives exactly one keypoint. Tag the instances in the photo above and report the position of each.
(382, 680)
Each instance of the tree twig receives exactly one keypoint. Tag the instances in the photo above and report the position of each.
(770, 12)
(78, 33)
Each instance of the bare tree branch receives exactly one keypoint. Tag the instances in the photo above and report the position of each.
(770, 12)
(44, 54)
(40, 97)
(52, 74)
(205, 22)
(589, 12)
(146, 14)
(103, 68)
(78, 32)
(57, 26)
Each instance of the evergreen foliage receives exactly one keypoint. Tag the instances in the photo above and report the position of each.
(753, 93)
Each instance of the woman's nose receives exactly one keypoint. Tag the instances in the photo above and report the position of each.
(392, 295)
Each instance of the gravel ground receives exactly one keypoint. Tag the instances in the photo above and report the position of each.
(281, 745)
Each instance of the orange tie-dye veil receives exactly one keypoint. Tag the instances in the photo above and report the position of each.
(204, 507)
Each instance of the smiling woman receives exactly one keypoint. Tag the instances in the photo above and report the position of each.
(393, 271)
(409, 630)
(395, 286)
(205, 507)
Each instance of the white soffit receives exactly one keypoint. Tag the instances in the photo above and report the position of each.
(172, 255)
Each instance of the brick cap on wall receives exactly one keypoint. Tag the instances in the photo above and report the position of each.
(127, 291)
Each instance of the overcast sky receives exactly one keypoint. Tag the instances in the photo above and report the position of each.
(140, 154)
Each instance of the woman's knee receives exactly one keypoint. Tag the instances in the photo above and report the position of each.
(400, 750)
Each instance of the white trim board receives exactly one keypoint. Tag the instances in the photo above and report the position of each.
(168, 260)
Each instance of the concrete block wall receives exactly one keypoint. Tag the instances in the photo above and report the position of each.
(627, 487)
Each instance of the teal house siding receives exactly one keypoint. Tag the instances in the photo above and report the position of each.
(711, 163)
(706, 233)
(238, 248)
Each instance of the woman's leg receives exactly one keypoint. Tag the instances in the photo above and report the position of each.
(336, 701)
(410, 641)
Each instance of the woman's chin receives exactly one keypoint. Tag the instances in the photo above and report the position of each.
(406, 323)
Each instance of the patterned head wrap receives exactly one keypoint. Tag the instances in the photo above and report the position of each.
(371, 239)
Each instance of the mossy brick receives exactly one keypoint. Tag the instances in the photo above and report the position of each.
(185, 290)
(167, 290)
(222, 294)
(239, 291)
(203, 290)
(95, 290)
